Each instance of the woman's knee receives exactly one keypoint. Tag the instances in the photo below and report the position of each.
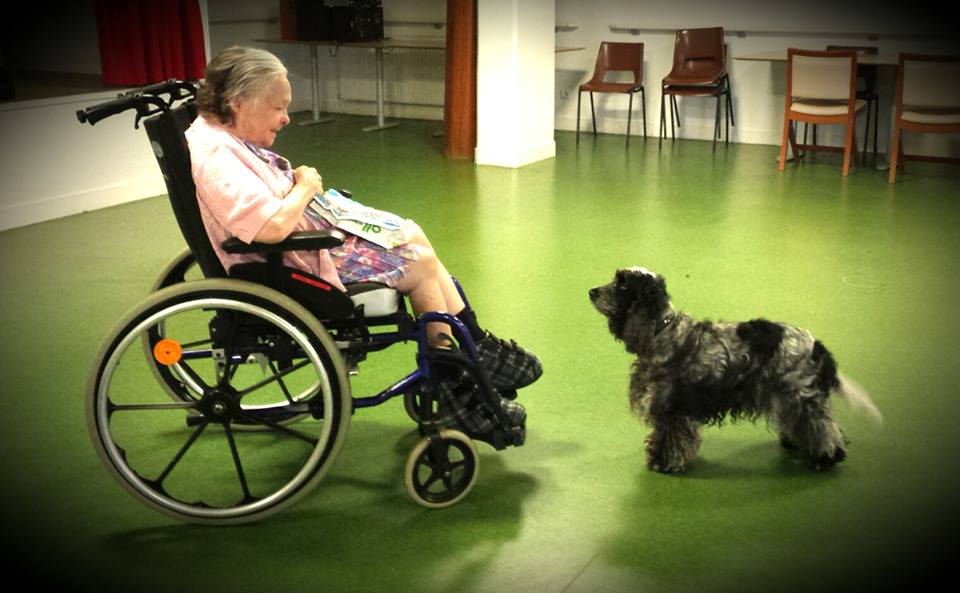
(427, 263)
(418, 237)
(424, 268)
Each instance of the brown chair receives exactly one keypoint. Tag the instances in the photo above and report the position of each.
(927, 100)
(866, 90)
(616, 57)
(699, 70)
(821, 89)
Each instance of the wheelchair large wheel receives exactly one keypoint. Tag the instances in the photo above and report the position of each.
(441, 469)
(178, 383)
(181, 268)
(246, 349)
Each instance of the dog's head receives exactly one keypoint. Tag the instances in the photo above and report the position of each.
(635, 303)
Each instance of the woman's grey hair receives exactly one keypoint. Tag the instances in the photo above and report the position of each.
(236, 72)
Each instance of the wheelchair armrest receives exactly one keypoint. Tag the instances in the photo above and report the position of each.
(296, 241)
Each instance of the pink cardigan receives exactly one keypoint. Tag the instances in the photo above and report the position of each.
(238, 192)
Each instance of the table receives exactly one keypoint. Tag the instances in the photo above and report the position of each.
(378, 47)
(781, 56)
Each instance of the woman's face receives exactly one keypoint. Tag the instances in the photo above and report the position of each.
(257, 119)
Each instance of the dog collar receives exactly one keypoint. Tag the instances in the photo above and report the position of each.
(666, 322)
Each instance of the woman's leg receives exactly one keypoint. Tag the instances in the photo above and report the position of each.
(451, 296)
(431, 288)
(425, 284)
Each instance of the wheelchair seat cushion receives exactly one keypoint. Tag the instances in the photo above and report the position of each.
(378, 300)
(316, 294)
(320, 297)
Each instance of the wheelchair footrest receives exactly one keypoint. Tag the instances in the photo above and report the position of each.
(500, 439)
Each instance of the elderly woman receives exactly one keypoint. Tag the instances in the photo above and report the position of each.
(248, 192)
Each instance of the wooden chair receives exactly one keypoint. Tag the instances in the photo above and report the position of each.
(927, 100)
(699, 70)
(866, 90)
(821, 89)
(616, 57)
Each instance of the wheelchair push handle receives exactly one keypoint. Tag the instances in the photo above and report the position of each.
(101, 111)
(145, 100)
(177, 89)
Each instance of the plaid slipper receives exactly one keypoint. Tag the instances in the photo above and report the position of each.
(461, 399)
(510, 366)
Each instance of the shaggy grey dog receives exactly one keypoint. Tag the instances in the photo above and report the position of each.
(691, 373)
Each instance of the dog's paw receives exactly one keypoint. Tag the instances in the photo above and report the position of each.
(664, 469)
(663, 466)
(787, 443)
(839, 455)
(826, 462)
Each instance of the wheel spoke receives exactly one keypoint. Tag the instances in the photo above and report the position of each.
(159, 406)
(195, 376)
(225, 373)
(271, 379)
(432, 478)
(179, 455)
(281, 384)
(236, 461)
(257, 419)
(202, 342)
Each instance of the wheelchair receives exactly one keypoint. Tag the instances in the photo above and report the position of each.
(226, 398)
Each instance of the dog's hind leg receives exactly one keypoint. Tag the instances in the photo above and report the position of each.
(806, 425)
(672, 444)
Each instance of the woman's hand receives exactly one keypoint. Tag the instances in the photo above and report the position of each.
(308, 183)
(308, 178)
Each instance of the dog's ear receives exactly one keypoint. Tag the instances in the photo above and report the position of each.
(642, 298)
(651, 296)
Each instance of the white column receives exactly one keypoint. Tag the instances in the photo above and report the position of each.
(515, 82)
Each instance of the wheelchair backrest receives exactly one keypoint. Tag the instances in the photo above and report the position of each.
(166, 133)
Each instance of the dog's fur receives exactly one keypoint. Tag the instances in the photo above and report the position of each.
(690, 373)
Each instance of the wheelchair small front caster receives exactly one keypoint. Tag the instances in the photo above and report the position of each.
(441, 469)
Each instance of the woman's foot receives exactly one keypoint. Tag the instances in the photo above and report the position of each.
(510, 367)
(463, 405)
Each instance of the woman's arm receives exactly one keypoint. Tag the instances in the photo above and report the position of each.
(285, 220)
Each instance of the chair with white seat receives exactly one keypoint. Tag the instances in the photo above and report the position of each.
(821, 89)
(927, 101)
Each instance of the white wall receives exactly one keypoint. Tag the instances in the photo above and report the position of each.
(758, 87)
(50, 164)
(53, 166)
(515, 78)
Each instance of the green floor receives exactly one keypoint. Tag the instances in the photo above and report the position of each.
(870, 268)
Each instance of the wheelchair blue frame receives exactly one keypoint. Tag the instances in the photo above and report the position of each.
(421, 375)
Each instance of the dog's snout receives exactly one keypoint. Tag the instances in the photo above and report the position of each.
(593, 293)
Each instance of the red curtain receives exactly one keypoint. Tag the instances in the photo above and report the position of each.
(147, 41)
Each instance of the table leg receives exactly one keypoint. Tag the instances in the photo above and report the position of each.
(315, 89)
(882, 159)
(381, 123)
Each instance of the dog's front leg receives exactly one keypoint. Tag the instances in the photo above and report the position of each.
(673, 442)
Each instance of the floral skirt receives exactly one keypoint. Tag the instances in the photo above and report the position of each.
(359, 260)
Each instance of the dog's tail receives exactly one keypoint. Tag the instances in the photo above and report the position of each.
(857, 397)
